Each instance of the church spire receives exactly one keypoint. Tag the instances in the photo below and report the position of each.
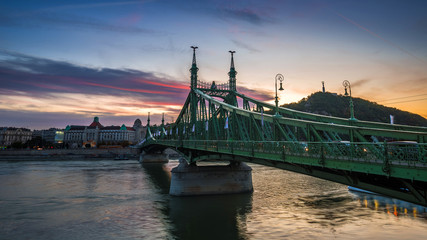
(194, 69)
(232, 73)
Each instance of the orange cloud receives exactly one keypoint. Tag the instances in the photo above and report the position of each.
(125, 89)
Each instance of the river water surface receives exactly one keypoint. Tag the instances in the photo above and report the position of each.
(127, 200)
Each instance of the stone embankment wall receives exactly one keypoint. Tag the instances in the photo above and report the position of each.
(69, 154)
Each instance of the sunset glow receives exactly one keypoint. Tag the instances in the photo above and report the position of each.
(69, 61)
(186, 87)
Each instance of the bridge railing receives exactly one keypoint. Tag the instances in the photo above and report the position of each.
(402, 154)
(212, 85)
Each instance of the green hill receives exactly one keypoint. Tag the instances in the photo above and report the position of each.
(338, 106)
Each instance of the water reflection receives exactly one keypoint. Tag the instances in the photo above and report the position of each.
(329, 209)
(159, 174)
(127, 200)
(390, 206)
(210, 217)
(201, 217)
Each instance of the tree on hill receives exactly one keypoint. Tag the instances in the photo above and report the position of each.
(331, 104)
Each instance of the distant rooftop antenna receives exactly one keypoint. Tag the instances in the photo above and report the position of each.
(323, 86)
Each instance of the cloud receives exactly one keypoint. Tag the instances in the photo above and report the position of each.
(359, 83)
(38, 87)
(37, 84)
(93, 5)
(256, 94)
(22, 72)
(43, 120)
(245, 46)
(90, 23)
(243, 14)
(51, 19)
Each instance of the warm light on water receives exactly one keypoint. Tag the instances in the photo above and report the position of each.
(127, 200)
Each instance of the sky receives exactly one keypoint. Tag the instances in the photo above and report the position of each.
(65, 62)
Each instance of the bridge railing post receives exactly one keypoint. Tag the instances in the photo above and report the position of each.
(386, 165)
(282, 145)
(422, 153)
(322, 154)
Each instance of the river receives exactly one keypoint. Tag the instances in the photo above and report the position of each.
(127, 200)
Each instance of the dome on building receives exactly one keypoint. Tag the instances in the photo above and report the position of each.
(96, 123)
(123, 127)
(137, 123)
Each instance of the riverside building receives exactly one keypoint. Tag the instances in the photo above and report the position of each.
(9, 135)
(51, 135)
(96, 134)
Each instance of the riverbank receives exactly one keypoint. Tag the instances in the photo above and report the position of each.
(69, 154)
(75, 154)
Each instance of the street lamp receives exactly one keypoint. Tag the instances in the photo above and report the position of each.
(280, 78)
(346, 84)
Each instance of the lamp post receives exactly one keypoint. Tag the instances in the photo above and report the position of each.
(280, 78)
(346, 84)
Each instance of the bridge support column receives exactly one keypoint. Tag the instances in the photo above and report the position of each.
(153, 158)
(190, 180)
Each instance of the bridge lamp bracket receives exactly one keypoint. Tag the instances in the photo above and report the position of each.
(280, 78)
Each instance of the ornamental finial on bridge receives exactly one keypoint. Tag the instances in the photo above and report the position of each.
(232, 73)
(194, 54)
(232, 60)
(194, 69)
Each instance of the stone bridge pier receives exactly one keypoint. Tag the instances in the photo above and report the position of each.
(155, 157)
(190, 180)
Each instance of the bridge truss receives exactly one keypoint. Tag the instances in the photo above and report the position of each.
(219, 123)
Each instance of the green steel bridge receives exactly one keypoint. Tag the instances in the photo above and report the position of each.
(219, 123)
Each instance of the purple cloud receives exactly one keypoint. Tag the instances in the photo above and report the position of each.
(37, 76)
